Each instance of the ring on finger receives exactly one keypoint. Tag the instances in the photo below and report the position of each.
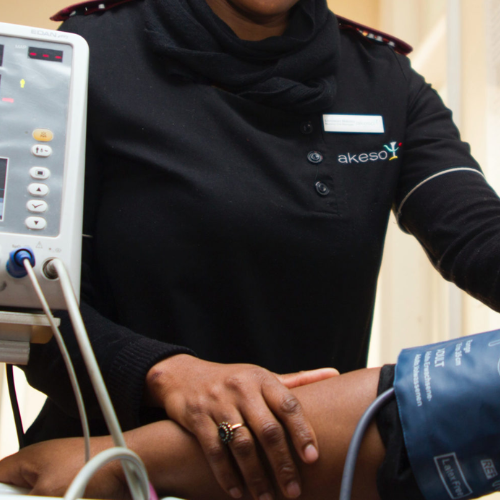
(226, 431)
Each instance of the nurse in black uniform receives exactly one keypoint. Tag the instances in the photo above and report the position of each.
(243, 157)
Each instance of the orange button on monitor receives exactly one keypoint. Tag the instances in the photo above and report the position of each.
(43, 135)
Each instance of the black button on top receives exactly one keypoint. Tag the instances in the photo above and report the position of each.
(315, 157)
(322, 188)
(306, 128)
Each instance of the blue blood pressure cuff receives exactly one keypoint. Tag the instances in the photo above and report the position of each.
(448, 397)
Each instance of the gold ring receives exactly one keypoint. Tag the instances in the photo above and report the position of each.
(226, 431)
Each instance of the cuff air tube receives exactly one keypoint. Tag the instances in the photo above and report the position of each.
(448, 397)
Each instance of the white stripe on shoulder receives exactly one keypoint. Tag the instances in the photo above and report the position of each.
(87, 236)
(461, 169)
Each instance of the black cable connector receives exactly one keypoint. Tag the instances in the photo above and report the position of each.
(15, 406)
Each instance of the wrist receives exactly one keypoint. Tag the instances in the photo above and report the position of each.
(159, 377)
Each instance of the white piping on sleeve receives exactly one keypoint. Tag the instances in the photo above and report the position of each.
(400, 208)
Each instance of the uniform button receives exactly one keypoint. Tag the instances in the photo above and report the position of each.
(315, 157)
(306, 128)
(322, 188)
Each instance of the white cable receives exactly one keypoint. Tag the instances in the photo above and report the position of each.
(100, 390)
(77, 487)
(65, 355)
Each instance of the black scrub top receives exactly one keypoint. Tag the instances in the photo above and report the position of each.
(236, 231)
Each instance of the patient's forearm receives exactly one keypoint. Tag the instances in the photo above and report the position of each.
(177, 466)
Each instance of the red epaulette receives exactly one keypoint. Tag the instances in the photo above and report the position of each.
(87, 8)
(372, 34)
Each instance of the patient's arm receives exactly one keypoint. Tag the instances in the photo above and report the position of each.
(177, 466)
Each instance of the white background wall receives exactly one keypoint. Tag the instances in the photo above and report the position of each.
(413, 305)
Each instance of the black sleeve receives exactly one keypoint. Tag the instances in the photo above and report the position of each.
(444, 200)
(124, 357)
(432, 142)
(456, 218)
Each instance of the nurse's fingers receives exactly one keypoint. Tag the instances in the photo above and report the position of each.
(243, 447)
(288, 411)
(217, 454)
(273, 440)
(298, 379)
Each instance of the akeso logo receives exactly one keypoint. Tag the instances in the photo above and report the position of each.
(392, 149)
(382, 155)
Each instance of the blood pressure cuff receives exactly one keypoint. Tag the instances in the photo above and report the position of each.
(448, 397)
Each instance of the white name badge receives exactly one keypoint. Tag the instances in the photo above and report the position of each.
(354, 124)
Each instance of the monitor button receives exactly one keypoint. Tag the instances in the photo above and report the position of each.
(40, 173)
(36, 223)
(43, 135)
(37, 189)
(37, 206)
(41, 150)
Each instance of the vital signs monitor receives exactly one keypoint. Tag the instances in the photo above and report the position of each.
(43, 99)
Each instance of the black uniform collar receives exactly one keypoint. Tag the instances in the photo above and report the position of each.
(293, 72)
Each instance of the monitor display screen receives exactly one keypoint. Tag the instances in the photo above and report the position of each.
(3, 177)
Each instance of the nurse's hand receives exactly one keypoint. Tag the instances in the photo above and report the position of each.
(48, 468)
(199, 395)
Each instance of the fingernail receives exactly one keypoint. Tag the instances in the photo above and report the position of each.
(266, 496)
(293, 490)
(329, 370)
(311, 453)
(235, 493)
